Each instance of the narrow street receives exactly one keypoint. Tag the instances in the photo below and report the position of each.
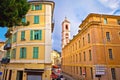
(67, 77)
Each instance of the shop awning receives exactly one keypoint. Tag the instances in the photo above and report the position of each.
(34, 70)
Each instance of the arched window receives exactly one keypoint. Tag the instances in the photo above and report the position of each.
(66, 27)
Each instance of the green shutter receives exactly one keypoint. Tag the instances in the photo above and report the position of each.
(40, 6)
(20, 52)
(22, 35)
(40, 34)
(35, 52)
(14, 37)
(31, 35)
(36, 19)
(24, 53)
(23, 19)
(33, 7)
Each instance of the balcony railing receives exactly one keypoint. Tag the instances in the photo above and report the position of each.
(5, 60)
(7, 46)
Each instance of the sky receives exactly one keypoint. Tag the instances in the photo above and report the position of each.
(75, 11)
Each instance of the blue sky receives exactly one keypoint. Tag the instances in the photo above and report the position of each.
(75, 11)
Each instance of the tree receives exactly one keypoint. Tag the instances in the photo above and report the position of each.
(12, 12)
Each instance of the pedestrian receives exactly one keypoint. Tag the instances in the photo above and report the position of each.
(61, 77)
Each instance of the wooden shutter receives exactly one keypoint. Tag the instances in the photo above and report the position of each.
(22, 35)
(24, 53)
(31, 35)
(21, 56)
(33, 7)
(35, 52)
(36, 19)
(40, 6)
(40, 34)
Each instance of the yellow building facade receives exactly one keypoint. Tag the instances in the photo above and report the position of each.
(29, 46)
(56, 58)
(93, 54)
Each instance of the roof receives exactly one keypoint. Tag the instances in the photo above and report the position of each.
(65, 20)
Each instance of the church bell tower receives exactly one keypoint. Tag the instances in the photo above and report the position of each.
(65, 32)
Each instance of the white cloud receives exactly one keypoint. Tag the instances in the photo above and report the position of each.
(113, 4)
(76, 11)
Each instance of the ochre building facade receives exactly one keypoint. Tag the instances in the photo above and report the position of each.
(93, 54)
(29, 46)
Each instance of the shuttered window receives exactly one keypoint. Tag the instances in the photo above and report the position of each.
(14, 37)
(35, 52)
(23, 52)
(35, 34)
(36, 7)
(23, 35)
(13, 56)
(36, 19)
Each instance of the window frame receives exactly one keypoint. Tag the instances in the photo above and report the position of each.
(35, 52)
(108, 36)
(23, 52)
(110, 51)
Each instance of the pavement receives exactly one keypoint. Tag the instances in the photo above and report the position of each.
(67, 77)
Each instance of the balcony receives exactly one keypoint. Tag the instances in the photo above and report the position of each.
(5, 60)
(7, 46)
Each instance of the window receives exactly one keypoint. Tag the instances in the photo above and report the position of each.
(24, 20)
(91, 70)
(10, 75)
(35, 52)
(80, 71)
(76, 58)
(79, 43)
(90, 55)
(76, 69)
(36, 19)
(8, 54)
(22, 35)
(113, 73)
(83, 41)
(118, 21)
(110, 54)
(85, 72)
(66, 27)
(36, 35)
(14, 37)
(84, 56)
(88, 38)
(108, 36)
(37, 7)
(19, 75)
(105, 21)
(80, 57)
(13, 54)
(23, 52)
